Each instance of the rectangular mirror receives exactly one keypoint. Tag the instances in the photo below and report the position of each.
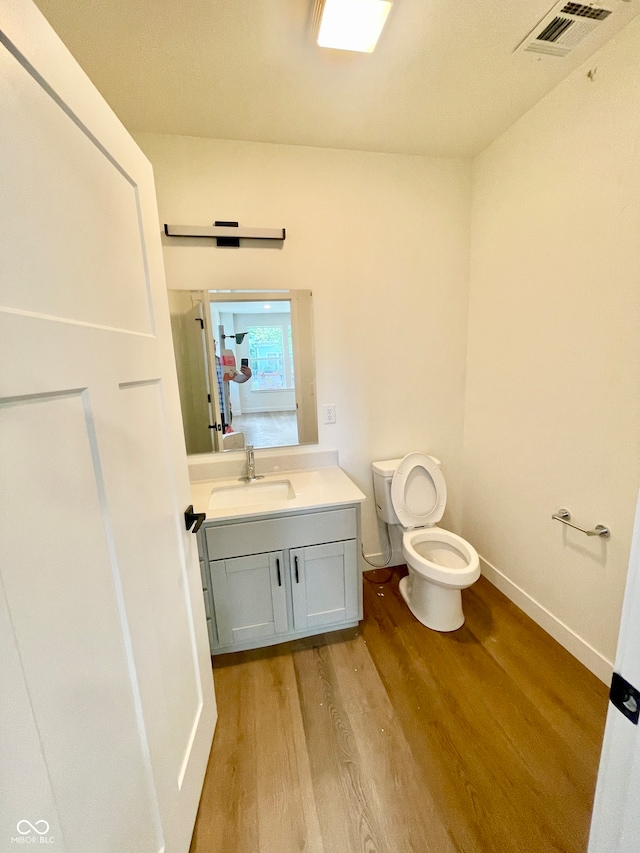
(226, 406)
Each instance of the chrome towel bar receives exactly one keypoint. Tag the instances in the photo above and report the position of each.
(564, 516)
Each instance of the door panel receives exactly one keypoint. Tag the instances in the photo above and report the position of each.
(105, 656)
(323, 583)
(146, 478)
(66, 589)
(187, 326)
(305, 378)
(249, 597)
(71, 192)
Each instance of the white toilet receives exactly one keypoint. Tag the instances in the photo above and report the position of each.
(412, 492)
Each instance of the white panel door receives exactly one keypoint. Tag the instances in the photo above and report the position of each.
(107, 709)
(615, 827)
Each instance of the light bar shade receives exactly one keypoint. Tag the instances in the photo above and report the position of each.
(352, 24)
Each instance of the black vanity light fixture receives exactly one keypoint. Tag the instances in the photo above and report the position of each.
(225, 233)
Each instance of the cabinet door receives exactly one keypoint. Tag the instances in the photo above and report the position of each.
(324, 584)
(249, 598)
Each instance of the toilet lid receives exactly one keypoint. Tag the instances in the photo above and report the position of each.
(418, 491)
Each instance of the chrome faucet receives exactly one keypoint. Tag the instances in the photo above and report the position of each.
(251, 475)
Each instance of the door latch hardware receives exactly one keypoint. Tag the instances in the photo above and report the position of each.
(193, 519)
(625, 697)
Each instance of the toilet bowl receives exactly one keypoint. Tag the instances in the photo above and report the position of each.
(412, 492)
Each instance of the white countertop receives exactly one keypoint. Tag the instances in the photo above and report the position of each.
(314, 489)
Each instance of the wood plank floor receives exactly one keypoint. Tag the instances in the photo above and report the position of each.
(391, 737)
(267, 429)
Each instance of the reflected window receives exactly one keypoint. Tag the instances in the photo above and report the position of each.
(270, 361)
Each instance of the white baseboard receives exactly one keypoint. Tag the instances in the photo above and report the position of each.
(264, 409)
(575, 645)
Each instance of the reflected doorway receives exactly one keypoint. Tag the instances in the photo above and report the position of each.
(217, 335)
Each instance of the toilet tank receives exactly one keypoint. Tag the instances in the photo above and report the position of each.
(382, 475)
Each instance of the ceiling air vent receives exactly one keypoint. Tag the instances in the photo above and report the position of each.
(566, 25)
(586, 11)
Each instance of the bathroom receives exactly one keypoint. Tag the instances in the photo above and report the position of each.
(512, 365)
(516, 365)
(482, 308)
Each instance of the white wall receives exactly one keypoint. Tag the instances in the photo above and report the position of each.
(382, 241)
(553, 388)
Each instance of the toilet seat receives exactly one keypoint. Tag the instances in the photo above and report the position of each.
(418, 491)
(442, 557)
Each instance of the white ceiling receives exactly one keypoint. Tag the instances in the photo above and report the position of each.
(443, 79)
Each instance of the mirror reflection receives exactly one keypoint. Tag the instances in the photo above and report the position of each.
(246, 369)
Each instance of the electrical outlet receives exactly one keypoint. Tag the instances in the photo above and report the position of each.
(329, 413)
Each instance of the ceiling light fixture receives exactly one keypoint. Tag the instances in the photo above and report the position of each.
(352, 24)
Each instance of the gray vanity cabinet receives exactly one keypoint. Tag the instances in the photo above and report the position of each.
(249, 597)
(270, 580)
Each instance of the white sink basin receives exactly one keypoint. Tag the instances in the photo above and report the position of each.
(251, 494)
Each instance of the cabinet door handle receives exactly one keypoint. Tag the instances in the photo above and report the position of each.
(295, 562)
(278, 570)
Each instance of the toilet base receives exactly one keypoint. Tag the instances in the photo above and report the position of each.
(435, 606)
